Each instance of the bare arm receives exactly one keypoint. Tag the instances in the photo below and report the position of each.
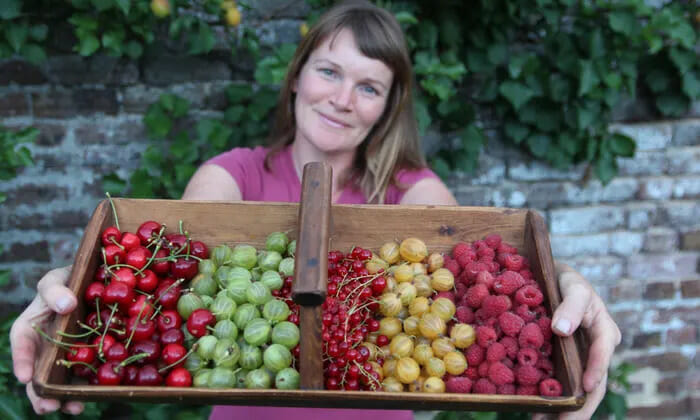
(429, 191)
(212, 182)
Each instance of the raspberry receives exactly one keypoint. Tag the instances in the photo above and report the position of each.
(480, 316)
(493, 240)
(465, 315)
(546, 327)
(460, 290)
(546, 349)
(526, 273)
(494, 267)
(474, 355)
(483, 369)
(508, 282)
(458, 385)
(524, 312)
(506, 389)
(528, 356)
(495, 305)
(452, 265)
(460, 249)
(485, 336)
(529, 295)
(531, 336)
(484, 386)
(462, 278)
(514, 262)
(511, 345)
(506, 249)
(486, 253)
(473, 268)
(495, 352)
(526, 390)
(476, 294)
(506, 361)
(472, 373)
(501, 258)
(550, 388)
(485, 278)
(527, 375)
(500, 374)
(448, 295)
(510, 323)
(479, 244)
(546, 366)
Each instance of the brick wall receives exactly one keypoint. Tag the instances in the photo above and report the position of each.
(637, 239)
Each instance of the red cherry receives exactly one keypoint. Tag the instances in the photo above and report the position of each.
(107, 342)
(101, 274)
(110, 373)
(111, 235)
(130, 374)
(373, 325)
(184, 268)
(378, 285)
(363, 354)
(352, 385)
(172, 336)
(130, 241)
(146, 281)
(176, 242)
(124, 275)
(353, 372)
(81, 354)
(138, 257)
(293, 318)
(94, 291)
(114, 254)
(147, 231)
(332, 383)
(116, 352)
(365, 254)
(150, 347)
(173, 353)
(135, 308)
(148, 375)
(199, 320)
(161, 267)
(166, 295)
(118, 292)
(169, 319)
(382, 340)
(179, 377)
(199, 250)
(143, 328)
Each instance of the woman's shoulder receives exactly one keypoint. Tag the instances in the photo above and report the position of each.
(404, 179)
(240, 155)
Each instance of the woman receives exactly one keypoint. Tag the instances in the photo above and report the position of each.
(346, 101)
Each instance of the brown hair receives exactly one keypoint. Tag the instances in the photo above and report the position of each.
(393, 143)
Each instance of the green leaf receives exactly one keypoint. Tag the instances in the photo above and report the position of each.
(516, 131)
(201, 41)
(406, 18)
(88, 45)
(597, 44)
(622, 22)
(613, 80)
(691, 85)
(605, 169)
(124, 6)
(622, 145)
(237, 93)
(538, 144)
(472, 139)
(586, 115)
(441, 167)
(498, 53)
(517, 93)
(420, 108)
(617, 404)
(112, 40)
(11, 408)
(233, 114)
(657, 80)
(16, 34)
(516, 64)
(588, 77)
(102, 5)
(157, 122)
(142, 184)
(34, 53)
(559, 88)
(180, 107)
(38, 32)
(4, 278)
(568, 143)
(3, 198)
(10, 9)
(683, 59)
(683, 33)
(113, 184)
(477, 61)
(671, 104)
(133, 49)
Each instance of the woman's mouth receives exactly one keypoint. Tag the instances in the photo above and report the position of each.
(332, 122)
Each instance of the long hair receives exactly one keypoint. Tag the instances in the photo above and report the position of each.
(393, 143)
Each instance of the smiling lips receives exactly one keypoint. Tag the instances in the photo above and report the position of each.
(332, 121)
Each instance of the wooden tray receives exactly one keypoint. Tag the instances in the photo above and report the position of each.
(322, 227)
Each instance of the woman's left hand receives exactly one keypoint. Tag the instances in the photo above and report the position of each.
(581, 306)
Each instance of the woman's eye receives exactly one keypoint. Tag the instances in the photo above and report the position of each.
(369, 90)
(327, 72)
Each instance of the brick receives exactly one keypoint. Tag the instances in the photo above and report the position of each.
(625, 290)
(680, 213)
(619, 189)
(35, 194)
(673, 384)
(660, 240)
(94, 70)
(646, 162)
(641, 215)
(472, 196)
(681, 336)
(489, 171)
(166, 70)
(537, 171)
(645, 340)
(659, 290)
(626, 243)
(683, 160)
(647, 136)
(61, 103)
(664, 362)
(687, 187)
(691, 240)
(12, 284)
(57, 220)
(689, 314)
(686, 133)
(268, 9)
(658, 266)
(657, 188)
(690, 289)
(579, 245)
(121, 132)
(666, 409)
(278, 31)
(598, 270)
(633, 109)
(50, 134)
(20, 72)
(586, 219)
(13, 104)
(26, 252)
(547, 194)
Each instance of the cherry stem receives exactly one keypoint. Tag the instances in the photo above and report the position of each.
(163, 369)
(102, 337)
(114, 211)
(61, 344)
(156, 239)
(81, 335)
(157, 311)
(114, 241)
(177, 282)
(68, 364)
(118, 265)
(153, 255)
(134, 358)
(94, 331)
(97, 308)
(367, 374)
(133, 329)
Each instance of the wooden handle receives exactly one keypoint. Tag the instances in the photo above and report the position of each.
(311, 259)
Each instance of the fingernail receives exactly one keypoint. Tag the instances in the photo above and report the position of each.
(563, 325)
(63, 303)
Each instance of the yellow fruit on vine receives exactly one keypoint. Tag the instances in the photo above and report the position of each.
(407, 370)
(401, 346)
(442, 280)
(435, 261)
(389, 252)
(434, 384)
(423, 287)
(423, 340)
(375, 264)
(455, 362)
(419, 305)
(413, 250)
(422, 352)
(403, 273)
(228, 4)
(160, 8)
(389, 304)
(389, 367)
(233, 16)
(435, 367)
(441, 346)
(376, 367)
(417, 385)
(444, 308)
(303, 29)
(462, 335)
(410, 325)
(390, 326)
(419, 268)
(406, 293)
(373, 350)
(391, 384)
(431, 326)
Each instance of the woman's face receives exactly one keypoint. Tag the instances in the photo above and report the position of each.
(340, 95)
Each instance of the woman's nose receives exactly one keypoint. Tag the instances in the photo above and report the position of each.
(343, 97)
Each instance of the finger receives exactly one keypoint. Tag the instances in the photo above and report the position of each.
(53, 291)
(576, 300)
(73, 407)
(23, 342)
(40, 405)
(543, 416)
(593, 399)
(604, 337)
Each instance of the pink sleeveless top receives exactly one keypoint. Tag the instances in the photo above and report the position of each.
(282, 184)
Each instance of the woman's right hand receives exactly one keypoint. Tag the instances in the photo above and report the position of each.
(53, 297)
